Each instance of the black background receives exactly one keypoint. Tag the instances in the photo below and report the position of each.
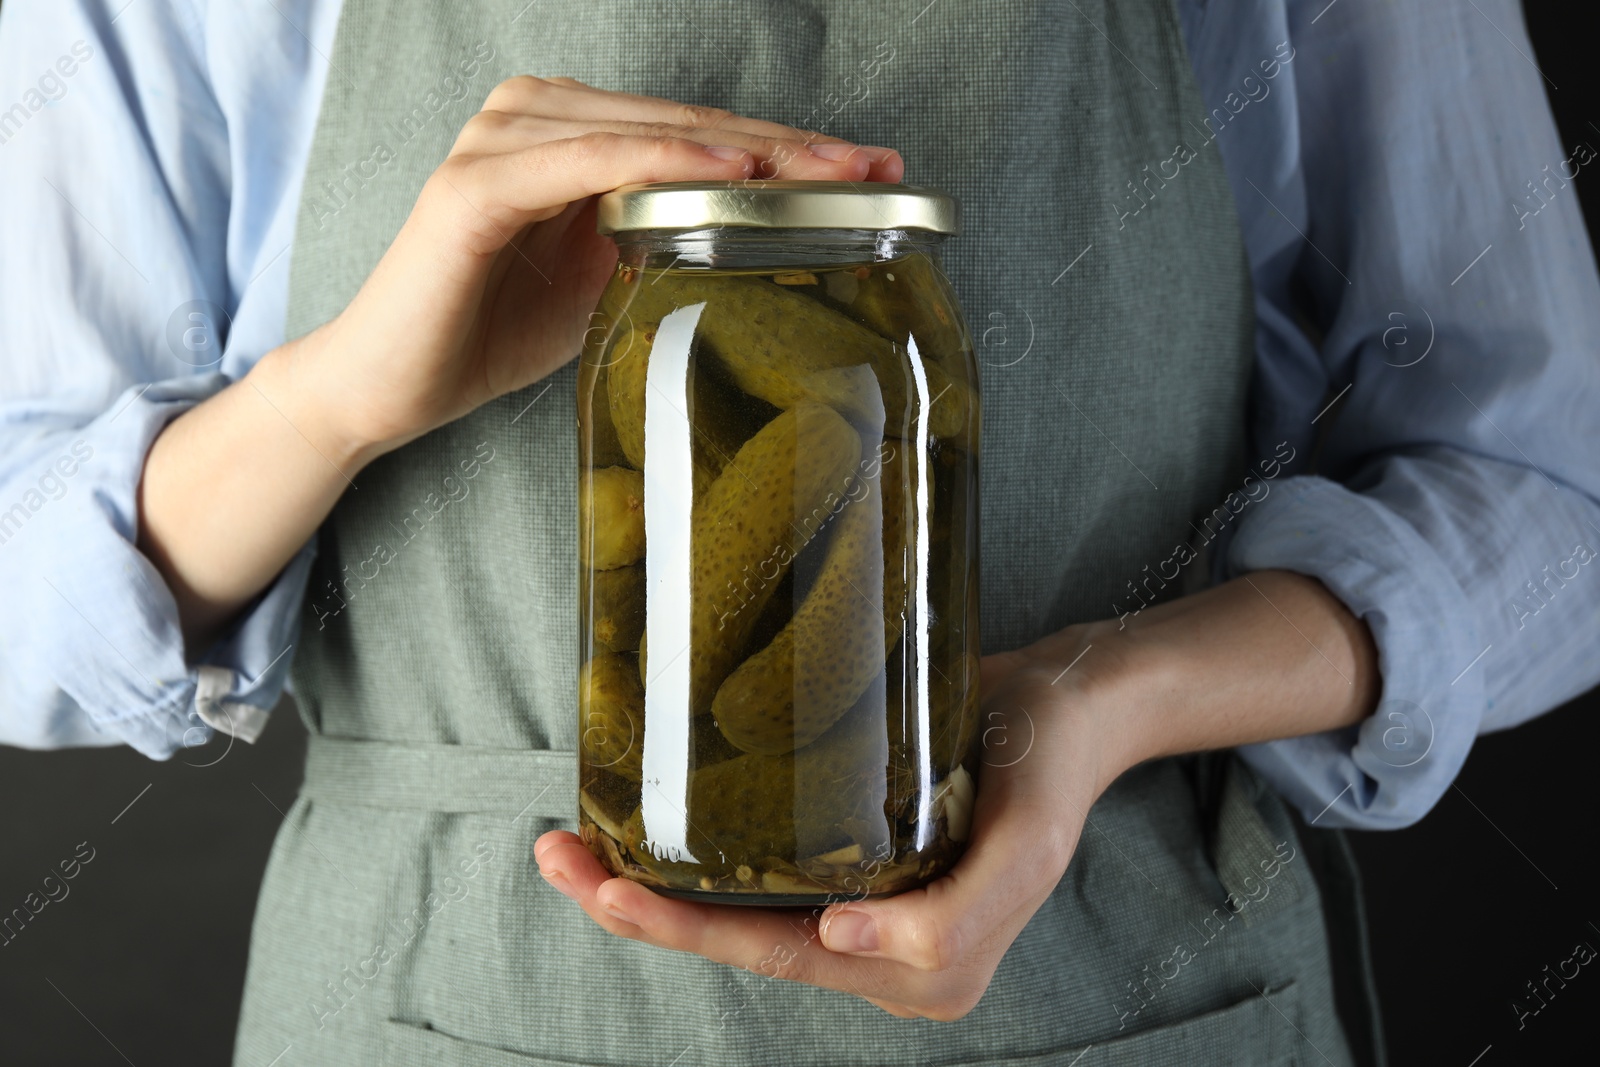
(147, 953)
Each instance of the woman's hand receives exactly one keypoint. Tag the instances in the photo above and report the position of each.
(929, 952)
(488, 285)
(487, 288)
(1270, 655)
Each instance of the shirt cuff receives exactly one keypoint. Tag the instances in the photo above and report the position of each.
(98, 624)
(1389, 770)
(241, 677)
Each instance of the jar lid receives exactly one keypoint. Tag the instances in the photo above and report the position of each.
(777, 204)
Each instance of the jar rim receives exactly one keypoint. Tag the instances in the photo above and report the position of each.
(775, 203)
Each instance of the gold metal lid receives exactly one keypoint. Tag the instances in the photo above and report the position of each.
(777, 204)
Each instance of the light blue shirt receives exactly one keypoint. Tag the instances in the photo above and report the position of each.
(1428, 320)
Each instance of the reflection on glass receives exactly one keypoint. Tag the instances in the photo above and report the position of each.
(667, 503)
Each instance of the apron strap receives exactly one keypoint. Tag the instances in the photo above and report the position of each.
(442, 778)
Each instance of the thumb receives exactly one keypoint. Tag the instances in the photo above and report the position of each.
(1011, 867)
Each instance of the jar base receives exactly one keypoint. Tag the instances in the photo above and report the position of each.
(806, 901)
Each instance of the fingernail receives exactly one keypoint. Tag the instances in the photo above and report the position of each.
(851, 931)
(877, 152)
(558, 881)
(835, 152)
(726, 151)
(617, 913)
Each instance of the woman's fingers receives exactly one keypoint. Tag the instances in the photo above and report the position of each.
(771, 943)
(493, 196)
(784, 157)
(629, 910)
(549, 840)
(489, 198)
(502, 132)
(571, 101)
(572, 870)
(595, 105)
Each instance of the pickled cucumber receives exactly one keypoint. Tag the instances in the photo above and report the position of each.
(617, 608)
(910, 297)
(605, 450)
(709, 746)
(777, 491)
(952, 715)
(784, 346)
(720, 417)
(898, 472)
(957, 697)
(787, 349)
(795, 805)
(952, 578)
(952, 709)
(779, 610)
(611, 714)
(784, 696)
(611, 518)
(608, 799)
(895, 298)
(796, 686)
(627, 361)
(722, 420)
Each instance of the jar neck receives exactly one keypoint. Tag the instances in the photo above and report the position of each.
(749, 248)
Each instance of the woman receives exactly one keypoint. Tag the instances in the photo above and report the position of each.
(406, 276)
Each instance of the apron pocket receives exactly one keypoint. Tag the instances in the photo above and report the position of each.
(1250, 1033)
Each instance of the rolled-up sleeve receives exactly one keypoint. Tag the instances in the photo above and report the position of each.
(140, 275)
(1429, 315)
(96, 646)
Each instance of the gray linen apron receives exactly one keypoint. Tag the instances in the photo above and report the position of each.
(403, 921)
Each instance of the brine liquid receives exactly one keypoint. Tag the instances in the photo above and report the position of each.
(778, 588)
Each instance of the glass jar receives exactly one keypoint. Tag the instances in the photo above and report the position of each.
(778, 527)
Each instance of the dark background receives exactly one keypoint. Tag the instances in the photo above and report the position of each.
(143, 961)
